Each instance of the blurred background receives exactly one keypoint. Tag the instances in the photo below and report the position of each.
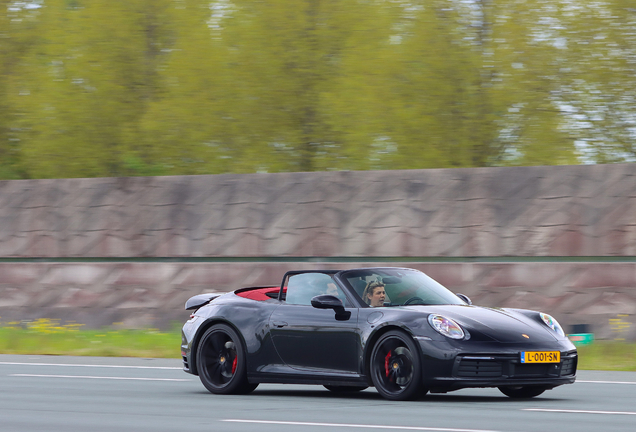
(333, 125)
(107, 88)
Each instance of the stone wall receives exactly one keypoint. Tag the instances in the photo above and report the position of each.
(68, 247)
(524, 211)
(138, 295)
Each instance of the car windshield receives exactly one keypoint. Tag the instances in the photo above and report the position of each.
(401, 287)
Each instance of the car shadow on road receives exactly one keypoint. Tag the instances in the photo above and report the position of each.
(487, 398)
(371, 394)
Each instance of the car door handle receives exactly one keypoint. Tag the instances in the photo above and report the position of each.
(279, 324)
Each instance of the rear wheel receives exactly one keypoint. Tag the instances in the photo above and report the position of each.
(521, 392)
(395, 366)
(221, 361)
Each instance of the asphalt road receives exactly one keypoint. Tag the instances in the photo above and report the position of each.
(50, 394)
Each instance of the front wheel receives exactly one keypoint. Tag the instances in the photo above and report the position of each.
(221, 361)
(522, 392)
(395, 366)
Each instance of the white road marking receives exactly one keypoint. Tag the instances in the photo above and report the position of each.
(606, 382)
(580, 411)
(89, 365)
(99, 377)
(363, 426)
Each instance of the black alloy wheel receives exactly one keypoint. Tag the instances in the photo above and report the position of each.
(395, 367)
(221, 361)
(522, 392)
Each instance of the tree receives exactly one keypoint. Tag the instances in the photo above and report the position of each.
(18, 34)
(103, 88)
(91, 79)
(599, 82)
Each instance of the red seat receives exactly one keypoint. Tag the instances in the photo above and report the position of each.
(259, 294)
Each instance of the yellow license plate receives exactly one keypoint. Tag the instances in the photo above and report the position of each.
(540, 357)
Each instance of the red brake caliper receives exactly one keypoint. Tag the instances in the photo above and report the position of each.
(386, 363)
(234, 365)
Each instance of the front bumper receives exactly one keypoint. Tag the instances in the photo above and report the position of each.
(504, 370)
(447, 368)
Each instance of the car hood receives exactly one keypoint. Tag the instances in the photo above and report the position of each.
(496, 324)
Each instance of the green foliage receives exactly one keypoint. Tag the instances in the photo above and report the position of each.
(48, 337)
(88, 82)
(161, 87)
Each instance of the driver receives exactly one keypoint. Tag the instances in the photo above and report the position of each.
(374, 294)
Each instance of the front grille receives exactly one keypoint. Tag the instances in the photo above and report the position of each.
(185, 363)
(531, 370)
(509, 366)
(479, 368)
(568, 365)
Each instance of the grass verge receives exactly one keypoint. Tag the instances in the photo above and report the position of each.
(47, 337)
(608, 355)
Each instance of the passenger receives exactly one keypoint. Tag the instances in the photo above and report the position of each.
(374, 294)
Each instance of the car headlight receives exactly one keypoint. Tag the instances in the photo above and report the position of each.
(552, 323)
(446, 326)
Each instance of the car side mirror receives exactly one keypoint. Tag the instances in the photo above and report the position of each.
(465, 298)
(327, 301)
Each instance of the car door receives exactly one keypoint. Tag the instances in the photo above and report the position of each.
(312, 339)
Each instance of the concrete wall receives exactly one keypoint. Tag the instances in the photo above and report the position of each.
(524, 211)
(520, 216)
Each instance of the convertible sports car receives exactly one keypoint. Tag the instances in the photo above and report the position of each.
(392, 328)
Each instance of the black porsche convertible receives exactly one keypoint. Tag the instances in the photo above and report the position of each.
(392, 328)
